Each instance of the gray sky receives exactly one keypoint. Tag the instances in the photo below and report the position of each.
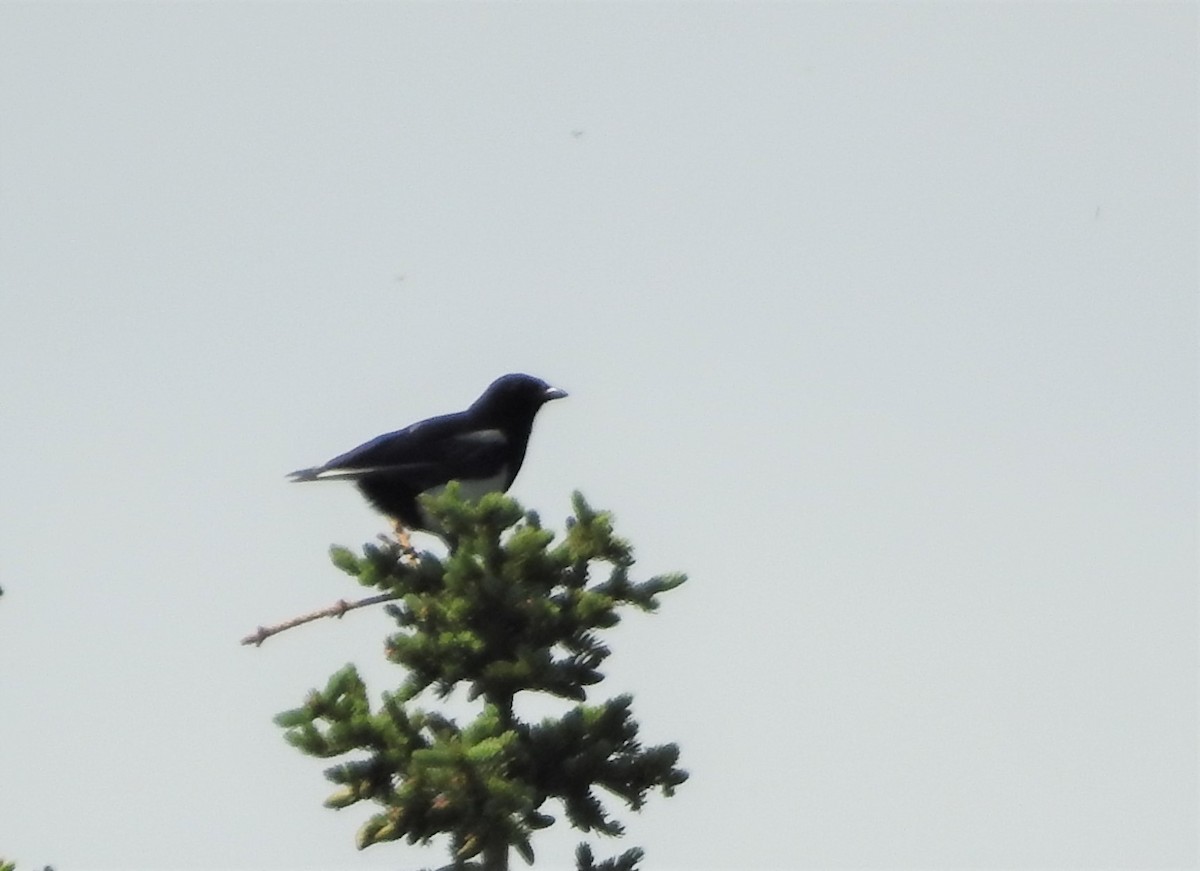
(878, 320)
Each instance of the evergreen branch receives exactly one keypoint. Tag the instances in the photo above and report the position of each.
(337, 609)
(509, 608)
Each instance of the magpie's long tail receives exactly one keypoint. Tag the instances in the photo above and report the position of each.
(301, 475)
(322, 473)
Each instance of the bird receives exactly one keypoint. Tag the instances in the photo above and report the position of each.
(482, 448)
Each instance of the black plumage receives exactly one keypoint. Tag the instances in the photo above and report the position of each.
(482, 448)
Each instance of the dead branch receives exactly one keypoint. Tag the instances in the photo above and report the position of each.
(337, 609)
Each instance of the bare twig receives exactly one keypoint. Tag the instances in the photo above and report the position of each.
(408, 555)
(337, 609)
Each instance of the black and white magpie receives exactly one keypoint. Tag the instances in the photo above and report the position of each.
(482, 448)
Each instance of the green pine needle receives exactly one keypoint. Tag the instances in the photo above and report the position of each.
(511, 610)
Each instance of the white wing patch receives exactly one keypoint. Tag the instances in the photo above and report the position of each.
(481, 435)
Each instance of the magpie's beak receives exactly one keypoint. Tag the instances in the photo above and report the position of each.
(553, 393)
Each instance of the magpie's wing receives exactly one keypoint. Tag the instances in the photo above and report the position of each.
(423, 455)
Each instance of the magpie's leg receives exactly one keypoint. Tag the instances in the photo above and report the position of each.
(404, 540)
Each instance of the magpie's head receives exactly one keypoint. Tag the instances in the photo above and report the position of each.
(515, 396)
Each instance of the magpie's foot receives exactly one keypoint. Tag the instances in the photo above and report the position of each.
(405, 541)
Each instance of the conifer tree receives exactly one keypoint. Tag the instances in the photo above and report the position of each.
(507, 611)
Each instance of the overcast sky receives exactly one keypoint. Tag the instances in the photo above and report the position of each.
(878, 320)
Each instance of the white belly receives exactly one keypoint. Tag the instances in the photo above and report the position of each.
(469, 491)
